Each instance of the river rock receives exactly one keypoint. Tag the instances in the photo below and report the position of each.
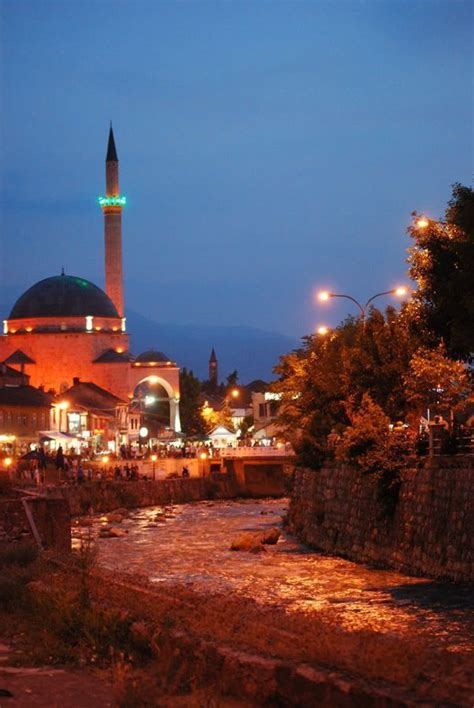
(122, 511)
(247, 541)
(85, 521)
(271, 536)
(114, 518)
(115, 532)
(111, 532)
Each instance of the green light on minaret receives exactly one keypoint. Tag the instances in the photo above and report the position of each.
(112, 201)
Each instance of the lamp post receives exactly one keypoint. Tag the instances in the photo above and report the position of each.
(422, 222)
(154, 459)
(324, 295)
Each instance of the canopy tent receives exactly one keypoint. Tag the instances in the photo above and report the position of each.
(50, 435)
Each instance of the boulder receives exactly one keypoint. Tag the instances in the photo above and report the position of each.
(85, 521)
(271, 536)
(247, 541)
(122, 511)
(111, 532)
(114, 518)
(116, 533)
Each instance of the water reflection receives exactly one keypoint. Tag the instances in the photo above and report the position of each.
(191, 547)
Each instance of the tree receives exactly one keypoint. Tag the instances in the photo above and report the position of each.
(232, 379)
(435, 380)
(245, 425)
(319, 380)
(370, 446)
(190, 406)
(442, 263)
(212, 417)
(366, 435)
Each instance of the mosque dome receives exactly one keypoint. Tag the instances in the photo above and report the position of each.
(63, 296)
(152, 356)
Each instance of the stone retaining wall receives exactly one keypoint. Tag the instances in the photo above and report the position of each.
(106, 496)
(337, 510)
(50, 517)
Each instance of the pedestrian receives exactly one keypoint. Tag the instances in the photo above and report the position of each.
(60, 458)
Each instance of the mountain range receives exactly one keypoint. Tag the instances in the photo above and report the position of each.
(252, 351)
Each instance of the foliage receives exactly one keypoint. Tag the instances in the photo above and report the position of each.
(190, 406)
(245, 425)
(442, 263)
(434, 379)
(232, 379)
(367, 433)
(21, 553)
(370, 445)
(15, 561)
(319, 379)
(212, 417)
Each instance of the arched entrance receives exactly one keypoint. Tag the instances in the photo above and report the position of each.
(158, 404)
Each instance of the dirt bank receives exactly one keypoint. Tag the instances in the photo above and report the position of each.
(264, 654)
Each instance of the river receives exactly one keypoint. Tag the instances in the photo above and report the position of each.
(190, 545)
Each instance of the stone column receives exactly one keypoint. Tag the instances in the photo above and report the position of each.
(175, 422)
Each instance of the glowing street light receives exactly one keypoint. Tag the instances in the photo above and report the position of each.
(422, 222)
(154, 459)
(322, 330)
(399, 291)
(235, 393)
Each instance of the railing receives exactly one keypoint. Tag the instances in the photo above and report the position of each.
(263, 451)
(440, 442)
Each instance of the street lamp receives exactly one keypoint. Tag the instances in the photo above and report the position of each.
(399, 291)
(154, 459)
(422, 222)
(323, 330)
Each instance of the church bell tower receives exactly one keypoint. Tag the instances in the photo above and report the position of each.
(213, 375)
(112, 205)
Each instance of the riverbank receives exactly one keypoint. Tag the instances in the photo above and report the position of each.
(291, 610)
(285, 627)
(106, 496)
(426, 529)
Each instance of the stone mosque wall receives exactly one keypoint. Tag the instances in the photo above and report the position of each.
(60, 357)
(431, 532)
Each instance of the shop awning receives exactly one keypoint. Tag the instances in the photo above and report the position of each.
(48, 435)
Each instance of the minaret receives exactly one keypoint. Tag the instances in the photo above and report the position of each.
(213, 369)
(112, 205)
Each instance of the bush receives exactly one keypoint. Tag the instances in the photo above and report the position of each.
(13, 588)
(369, 445)
(21, 553)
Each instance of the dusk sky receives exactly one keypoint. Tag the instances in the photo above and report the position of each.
(265, 148)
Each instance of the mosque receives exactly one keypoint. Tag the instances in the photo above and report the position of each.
(64, 329)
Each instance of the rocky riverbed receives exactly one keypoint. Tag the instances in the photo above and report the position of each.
(190, 545)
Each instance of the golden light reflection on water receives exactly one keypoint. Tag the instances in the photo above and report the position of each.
(192, 548)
